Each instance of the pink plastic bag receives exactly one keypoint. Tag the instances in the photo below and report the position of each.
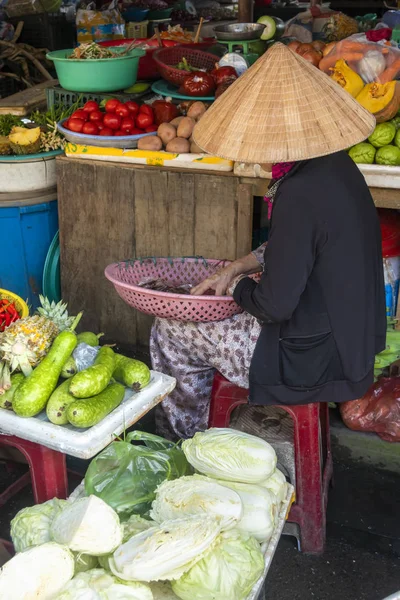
(378, 411)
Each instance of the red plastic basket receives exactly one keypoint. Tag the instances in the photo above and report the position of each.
(175, 271)
(167, 58)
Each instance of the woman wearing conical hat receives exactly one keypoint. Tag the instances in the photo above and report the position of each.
(313, 324)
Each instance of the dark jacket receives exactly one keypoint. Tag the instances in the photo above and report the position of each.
(321, 297)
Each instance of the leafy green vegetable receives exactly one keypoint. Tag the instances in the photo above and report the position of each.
(277, 485)
(226, 572)
(165, 551)
(197, 496)
(97, 584)
(126, 476)
(55, 114)
(7, 122)
(230, 455)
(31, 525)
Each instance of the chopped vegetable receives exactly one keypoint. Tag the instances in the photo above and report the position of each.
(92, 51)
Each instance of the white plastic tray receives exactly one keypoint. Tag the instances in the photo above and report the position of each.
(381, 176)
(86, 443)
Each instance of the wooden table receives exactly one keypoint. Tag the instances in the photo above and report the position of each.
(111, 211)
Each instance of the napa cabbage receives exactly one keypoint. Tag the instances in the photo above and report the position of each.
(277, 485)
(230, 455)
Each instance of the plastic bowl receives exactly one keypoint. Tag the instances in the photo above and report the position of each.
(20, 305)
(135, 14)
(98, 75)
(119, 141)
(159, 15)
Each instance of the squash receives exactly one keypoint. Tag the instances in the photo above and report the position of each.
(348, 79)
(381, 99)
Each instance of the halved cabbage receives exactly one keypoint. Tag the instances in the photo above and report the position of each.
(40, 572)
(89, 526)
(230, 455)
(196, 496)
(165, 552)
(227, 572)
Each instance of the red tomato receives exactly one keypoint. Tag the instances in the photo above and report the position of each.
(127, 124)
(91, 106)
(80, 114)
(136, 131)
(100, 126)
(111, 105)
(96, 116)
(106, 131)
(144, 120)
(133, 107)
(112, 121)
(66, 124)
(122, 110)
(90, 128)
(145, 109)
(151, 128)
(120, 133)
(76, 125)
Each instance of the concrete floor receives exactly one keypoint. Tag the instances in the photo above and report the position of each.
(361, 561)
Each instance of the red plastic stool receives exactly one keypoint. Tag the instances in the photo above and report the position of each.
(313, 469)
(47, 471)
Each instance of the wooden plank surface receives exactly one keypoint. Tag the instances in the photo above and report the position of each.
(110, 212)
(25, 102)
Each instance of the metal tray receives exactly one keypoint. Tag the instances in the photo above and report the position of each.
(239, 31)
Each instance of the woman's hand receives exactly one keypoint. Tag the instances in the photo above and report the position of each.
(219, 282)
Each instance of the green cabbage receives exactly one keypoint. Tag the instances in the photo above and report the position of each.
(196, 496)
(31, 526)
(84, 562)
(230, 455)
(388, 155)
(165, 552)
(383, 135)
(227, 572)
(363, 153)
(134, 525)
(89, 526)
(259, 508)
(97, 584)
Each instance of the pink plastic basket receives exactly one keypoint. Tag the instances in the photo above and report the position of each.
(175, 271)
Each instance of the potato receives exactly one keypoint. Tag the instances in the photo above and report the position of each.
(175, 122)
(197, 110)
(195, 149)
(178, 145)
(151, 142)
(166, 132)
(185, 127)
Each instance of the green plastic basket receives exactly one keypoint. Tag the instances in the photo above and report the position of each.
(57, 95)
(99, 75)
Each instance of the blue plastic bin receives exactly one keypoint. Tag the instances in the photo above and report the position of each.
(27, 228)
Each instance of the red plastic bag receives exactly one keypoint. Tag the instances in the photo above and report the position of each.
(377, 411)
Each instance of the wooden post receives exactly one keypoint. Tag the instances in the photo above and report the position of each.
(245, 11)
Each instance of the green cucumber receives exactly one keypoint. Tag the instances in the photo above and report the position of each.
(6, 399)
(92, 381)
(56, 408)
(132, 373)
(90, 411)
(89, 338)
(69, 369)
(33, 393)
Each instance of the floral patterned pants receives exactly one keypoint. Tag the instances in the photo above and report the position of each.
(191, 352)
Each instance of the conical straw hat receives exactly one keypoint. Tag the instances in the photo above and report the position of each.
(282, 109)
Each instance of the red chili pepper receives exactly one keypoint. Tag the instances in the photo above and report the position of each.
(7, 319)
(4, 308)
(11, 309)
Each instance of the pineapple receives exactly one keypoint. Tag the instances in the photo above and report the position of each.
(5, 147)
(25, 141)
(26, 342)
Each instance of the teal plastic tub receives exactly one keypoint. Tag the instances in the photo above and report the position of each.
(99, 75)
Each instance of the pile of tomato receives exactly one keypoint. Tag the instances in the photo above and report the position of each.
(119, 118)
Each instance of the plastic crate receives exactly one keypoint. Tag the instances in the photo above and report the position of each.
(51, 31)
(137, 30)
(57, 95)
